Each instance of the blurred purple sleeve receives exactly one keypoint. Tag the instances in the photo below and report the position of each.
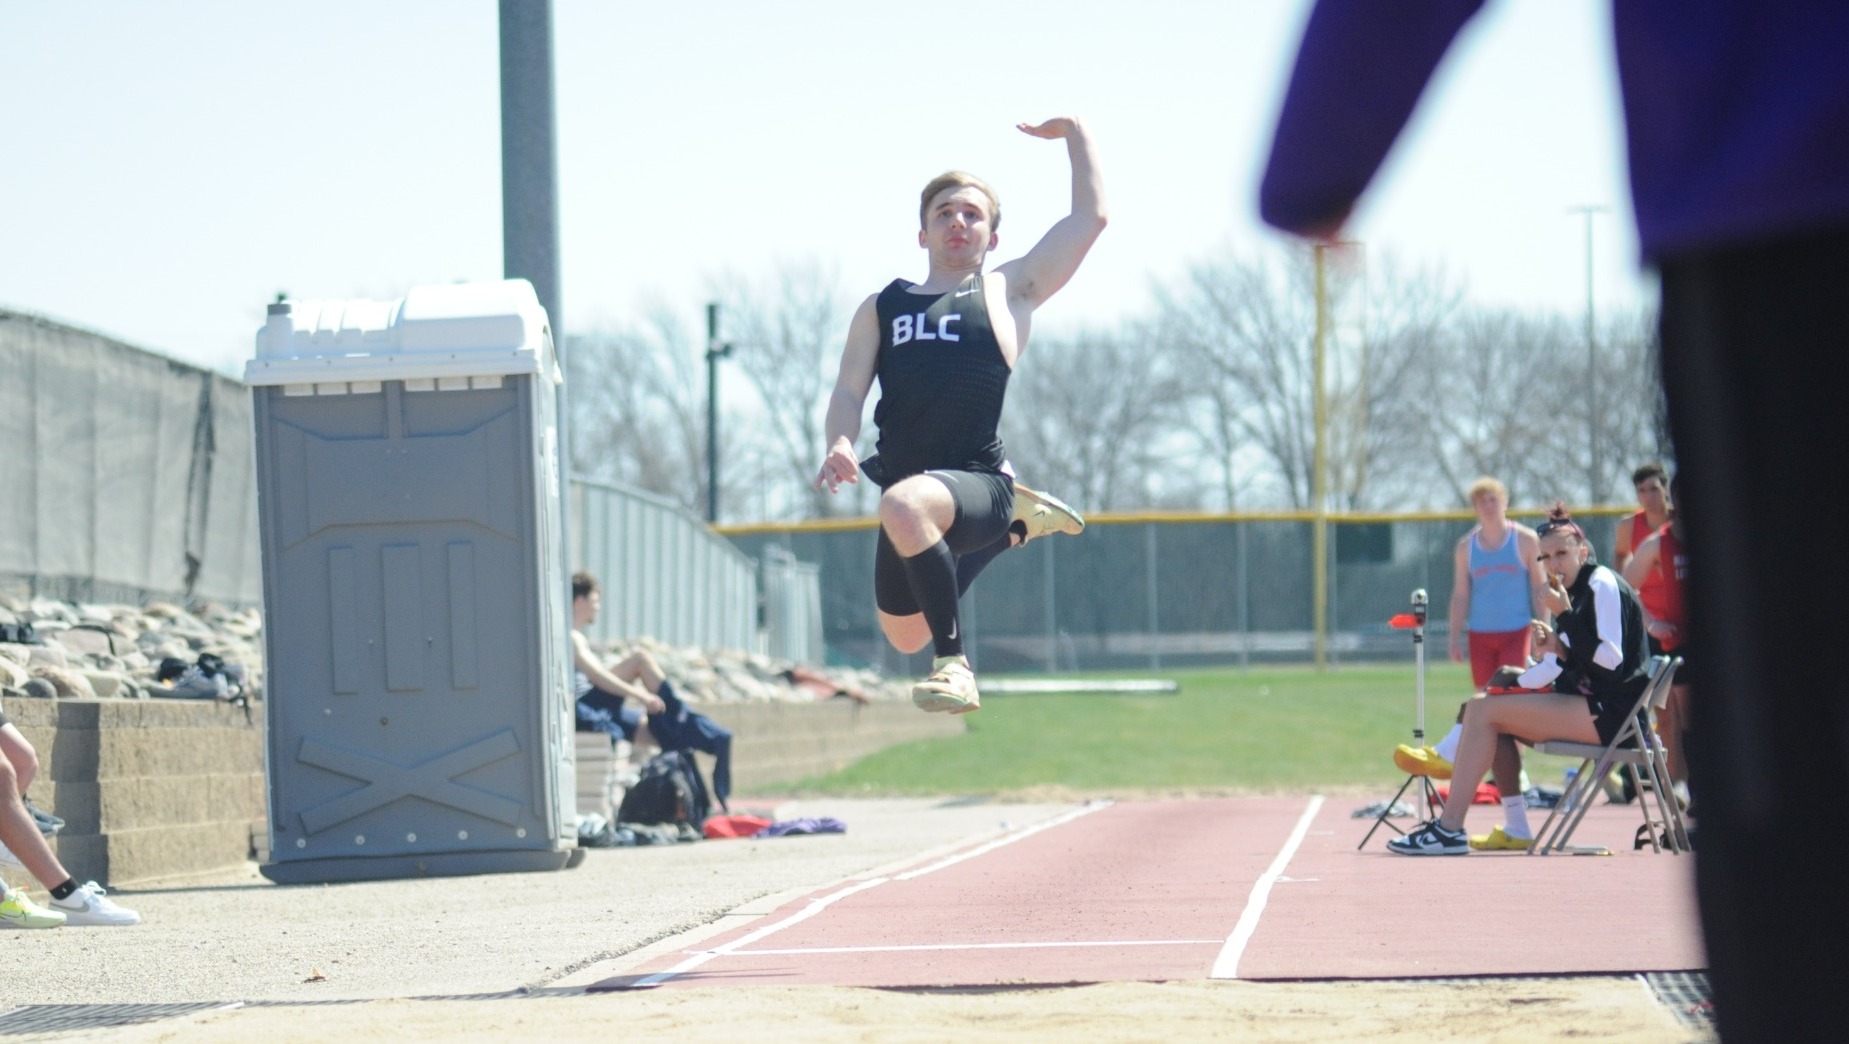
(1360, 69)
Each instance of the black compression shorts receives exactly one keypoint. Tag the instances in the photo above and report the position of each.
(985, 507)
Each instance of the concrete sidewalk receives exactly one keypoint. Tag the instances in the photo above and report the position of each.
(245, 939)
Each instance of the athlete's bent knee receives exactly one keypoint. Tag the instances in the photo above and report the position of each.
(898, 504)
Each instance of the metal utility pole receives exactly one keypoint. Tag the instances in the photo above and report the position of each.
(529, 155)
(1594, 416)
(715, 351)
(1319, 469)
(529, 176)
(530, 212)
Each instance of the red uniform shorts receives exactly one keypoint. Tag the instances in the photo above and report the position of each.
(1492, 649)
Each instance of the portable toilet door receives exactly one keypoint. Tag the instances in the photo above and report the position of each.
(416, 602)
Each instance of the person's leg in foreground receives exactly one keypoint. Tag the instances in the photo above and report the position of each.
(1756, 411)
(78, 904)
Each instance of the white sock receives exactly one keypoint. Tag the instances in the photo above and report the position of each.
(1515, 817)
(1447, 747)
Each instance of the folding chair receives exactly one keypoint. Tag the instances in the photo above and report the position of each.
(1646, 757)
(1668, 805)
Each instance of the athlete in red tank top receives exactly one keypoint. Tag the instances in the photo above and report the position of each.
(1650, 590)
(1662, 560)
(1671, 570)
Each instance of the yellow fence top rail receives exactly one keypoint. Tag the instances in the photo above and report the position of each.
(834, 525)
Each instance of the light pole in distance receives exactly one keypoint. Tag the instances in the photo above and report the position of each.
(715, 351)
(1593, 470)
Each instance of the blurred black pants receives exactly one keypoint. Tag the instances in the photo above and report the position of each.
(1755, 360)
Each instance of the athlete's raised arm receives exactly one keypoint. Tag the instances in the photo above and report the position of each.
(1038, 274)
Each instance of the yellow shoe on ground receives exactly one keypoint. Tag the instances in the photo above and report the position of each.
(1498, 841)
(1421, 761)
(951, 687)
(17, 911)
(1044, 513)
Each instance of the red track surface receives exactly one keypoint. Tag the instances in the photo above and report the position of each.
(1153, 891)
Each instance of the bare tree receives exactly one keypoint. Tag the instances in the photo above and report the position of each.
(638, 407)
(1498, 404)
(1206, 403)
(1243, 331)
(1247, 329)
(1374, 458)
(1090, 417)
(1233, 475)
(786, 331)
(1510, 398)
(1632, 415)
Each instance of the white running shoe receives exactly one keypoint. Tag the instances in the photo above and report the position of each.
(951, 687)
(89, 904)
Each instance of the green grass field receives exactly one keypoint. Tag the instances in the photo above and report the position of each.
(1264, 729)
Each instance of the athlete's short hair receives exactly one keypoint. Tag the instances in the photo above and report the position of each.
(583, 585)
(960, 179)
(1488, 485)
(1652, 470)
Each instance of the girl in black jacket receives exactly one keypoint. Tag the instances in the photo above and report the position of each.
(1592, 667)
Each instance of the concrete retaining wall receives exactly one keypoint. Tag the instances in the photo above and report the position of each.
(781, 742)
(149, 789)
(155, 790)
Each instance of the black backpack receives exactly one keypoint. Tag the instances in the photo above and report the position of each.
(670, 791)
(20, 634)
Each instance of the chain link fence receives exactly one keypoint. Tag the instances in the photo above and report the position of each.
(124, 476)
(128, 476)
(1145, 592)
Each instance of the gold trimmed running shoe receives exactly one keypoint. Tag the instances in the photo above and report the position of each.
(1498, 840)
(1044, 513)
(950, 688)
(1421, 761)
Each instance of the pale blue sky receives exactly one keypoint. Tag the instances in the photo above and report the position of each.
(167, 168)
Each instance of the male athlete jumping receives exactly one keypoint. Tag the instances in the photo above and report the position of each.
(943, 350)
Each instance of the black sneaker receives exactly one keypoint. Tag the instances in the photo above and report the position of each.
(1431, 839)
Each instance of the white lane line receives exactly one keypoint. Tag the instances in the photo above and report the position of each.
(1020, 835)
(973, 946)
(1227, 965)
(816, 906)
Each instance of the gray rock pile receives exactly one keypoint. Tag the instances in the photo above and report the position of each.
(88, 651)
(729, 676)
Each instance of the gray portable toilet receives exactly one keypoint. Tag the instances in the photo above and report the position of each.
(416, 605)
